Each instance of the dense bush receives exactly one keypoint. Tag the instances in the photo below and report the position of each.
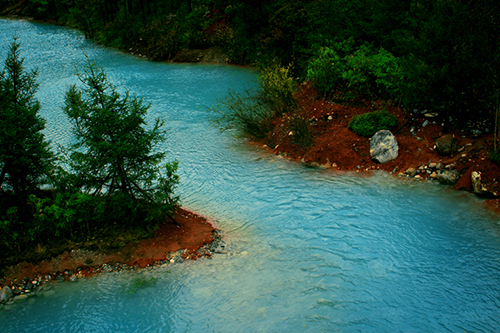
(370, 123)
(344, 67)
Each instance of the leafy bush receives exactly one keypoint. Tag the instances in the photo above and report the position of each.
(326, 68)
(225, 37)
(375, 73)
(370, 123)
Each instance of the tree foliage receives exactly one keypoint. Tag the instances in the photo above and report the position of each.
(112, 180)
(114, 151)
(25, 156)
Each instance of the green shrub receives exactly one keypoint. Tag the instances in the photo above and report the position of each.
(342, 67)
(277, 87)
(325, 70)
(370, 123)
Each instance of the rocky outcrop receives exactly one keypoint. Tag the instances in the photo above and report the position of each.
(383, 146)
(446, 145)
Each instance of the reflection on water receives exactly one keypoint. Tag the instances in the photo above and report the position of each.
(308, 250)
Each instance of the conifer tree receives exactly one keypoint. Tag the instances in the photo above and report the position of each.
(114, 150)
(25, 156)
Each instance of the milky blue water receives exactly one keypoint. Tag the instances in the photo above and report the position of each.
(308, 250)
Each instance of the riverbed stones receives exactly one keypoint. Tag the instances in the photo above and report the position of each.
(383, 146)
(448, 177)
(446, 145)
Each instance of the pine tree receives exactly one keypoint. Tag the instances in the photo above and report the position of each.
(114, 151)
(25, 156)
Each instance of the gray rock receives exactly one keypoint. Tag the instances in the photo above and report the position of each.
(446, 145)
(5, 294)
(383, 146)
(448, 177)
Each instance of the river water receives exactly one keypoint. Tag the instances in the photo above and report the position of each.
(307, 250)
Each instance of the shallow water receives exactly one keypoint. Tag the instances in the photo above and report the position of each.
(308, 250)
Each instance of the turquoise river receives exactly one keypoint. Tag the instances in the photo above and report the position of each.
(308, 250)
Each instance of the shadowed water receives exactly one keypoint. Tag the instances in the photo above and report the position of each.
(307, 250)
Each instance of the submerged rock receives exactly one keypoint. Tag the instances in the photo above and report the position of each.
(383, 146)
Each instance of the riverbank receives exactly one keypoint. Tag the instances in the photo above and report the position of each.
(337, 147)
(194, 237)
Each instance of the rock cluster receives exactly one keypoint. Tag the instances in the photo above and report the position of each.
(447, 174)
(10, 295)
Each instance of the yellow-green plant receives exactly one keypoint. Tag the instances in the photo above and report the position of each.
(278, 87)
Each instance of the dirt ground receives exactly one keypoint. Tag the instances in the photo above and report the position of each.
(193, 233)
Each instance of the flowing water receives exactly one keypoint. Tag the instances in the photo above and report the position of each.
(307, 250)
